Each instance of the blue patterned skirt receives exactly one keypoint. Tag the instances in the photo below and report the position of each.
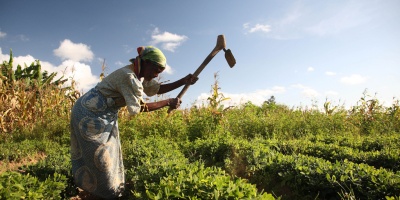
(96, 155)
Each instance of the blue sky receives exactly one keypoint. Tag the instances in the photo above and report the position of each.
(302, 52)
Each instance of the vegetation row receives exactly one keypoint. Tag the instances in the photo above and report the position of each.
(210, 152)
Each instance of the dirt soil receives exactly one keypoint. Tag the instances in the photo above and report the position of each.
(14, 166)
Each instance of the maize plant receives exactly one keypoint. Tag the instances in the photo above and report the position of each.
(26, 94)
(216, 98)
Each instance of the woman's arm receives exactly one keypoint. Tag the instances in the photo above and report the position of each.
(172, 102)
(164, 88)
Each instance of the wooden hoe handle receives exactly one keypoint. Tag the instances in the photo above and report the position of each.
(218, 47)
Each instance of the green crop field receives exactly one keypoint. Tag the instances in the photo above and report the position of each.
(247, 152)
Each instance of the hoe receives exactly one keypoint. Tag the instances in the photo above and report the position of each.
(218, 47)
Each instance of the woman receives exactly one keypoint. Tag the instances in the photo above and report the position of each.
(96, 154)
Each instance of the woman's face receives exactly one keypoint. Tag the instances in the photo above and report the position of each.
(151, 70)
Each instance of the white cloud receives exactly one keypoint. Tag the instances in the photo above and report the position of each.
(310, 92)
(2, 35)
(119, 63)
(258, 97)
(17, 60)
(284, 27)
(3, 57)
(300, 19)
(310, 69)
(80, 72)
(127, 48)
(340, 18)
(74, 51)
(353, 79)
(330, 73)
(168, 41)
(22, 38)
(168, 69)
(306, 91)
(257, 28)
(331, 93)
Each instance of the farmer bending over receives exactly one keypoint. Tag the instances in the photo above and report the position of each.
(96, 155)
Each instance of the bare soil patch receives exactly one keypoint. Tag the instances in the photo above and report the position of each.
(15, 165)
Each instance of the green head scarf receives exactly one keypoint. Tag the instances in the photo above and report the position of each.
(152, 54)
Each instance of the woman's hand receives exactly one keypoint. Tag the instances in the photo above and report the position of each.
(164, 88)
(189, 79)
(174, 103)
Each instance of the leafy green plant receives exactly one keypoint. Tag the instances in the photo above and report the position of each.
(14, 185)
(367, 114)
(32, 75)
(216, 97)
(196, 182)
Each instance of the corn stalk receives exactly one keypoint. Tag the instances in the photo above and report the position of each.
(28, 94)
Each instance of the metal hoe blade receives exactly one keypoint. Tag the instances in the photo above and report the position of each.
(229, 58)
